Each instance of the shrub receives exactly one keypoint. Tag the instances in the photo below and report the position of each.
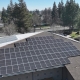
(10, 29)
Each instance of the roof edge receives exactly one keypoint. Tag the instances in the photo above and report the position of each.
(19, 37)
(67, 38)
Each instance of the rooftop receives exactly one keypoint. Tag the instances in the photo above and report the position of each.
(40, 51)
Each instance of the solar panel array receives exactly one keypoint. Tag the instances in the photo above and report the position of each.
(36, 54)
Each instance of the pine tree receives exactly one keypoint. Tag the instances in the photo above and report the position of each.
(24, 17)
(54, 14)
(46, 15)
(70, 13)
(4, 15)
(10, 12)
(16, 13)
(36, 19)
(60, 8)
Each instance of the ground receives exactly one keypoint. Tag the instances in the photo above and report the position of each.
(74, 35)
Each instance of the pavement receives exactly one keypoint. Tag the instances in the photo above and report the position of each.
(52, 28)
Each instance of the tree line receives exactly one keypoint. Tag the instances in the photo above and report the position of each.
(66, 14)
(62, 14)
(18, 14)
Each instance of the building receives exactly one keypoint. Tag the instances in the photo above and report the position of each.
(40, 56)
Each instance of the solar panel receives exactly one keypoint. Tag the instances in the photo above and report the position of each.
(57, 61)
(19, 60)
(58, 55)
(11, 50)
(43, 64)
(32, 66)
(27, 67)
(8, 62)
(1, 51)
(35, 58)
(14, 61)
(30, 59)
(67, 61)
(62, 61)
(49, 56)
(25, 60)
(9, 69)
(48, 63)
(36, 53)
(40, 57)
(3, 70)
(53, 63)
(38, 66)
(15, 68)
(21, 67)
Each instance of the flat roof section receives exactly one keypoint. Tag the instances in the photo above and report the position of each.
(4, 41)
(74, 67)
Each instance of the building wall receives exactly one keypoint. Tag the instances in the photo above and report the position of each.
(19, 77)
(56, 74)
(67, 75)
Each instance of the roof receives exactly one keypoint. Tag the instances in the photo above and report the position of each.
(39, 52)
(1, 25)
(14, 38)
(74, 67)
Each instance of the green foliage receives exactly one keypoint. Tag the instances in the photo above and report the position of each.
(36, 19)
(0, 13)
(54, 13)
(74, 35)
(4, 16)
(9, 29)
(69, 13)
(60, 9)
(77, 25)
(66, 15)
(24, 17)
(19, 14)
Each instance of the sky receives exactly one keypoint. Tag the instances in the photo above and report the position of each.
(34, 4)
